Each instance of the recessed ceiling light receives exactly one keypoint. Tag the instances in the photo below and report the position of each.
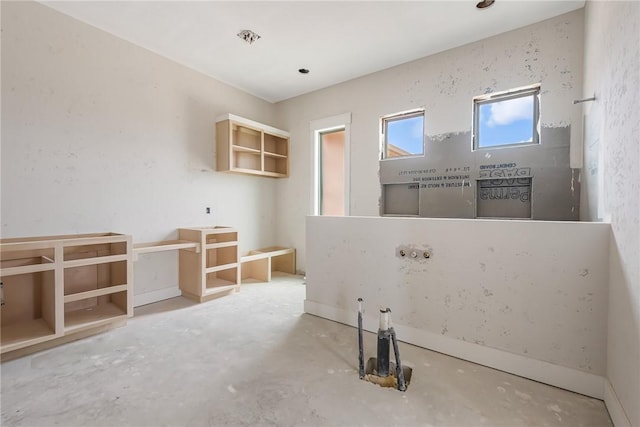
(484, 4)
(248, 36)
(303, 71)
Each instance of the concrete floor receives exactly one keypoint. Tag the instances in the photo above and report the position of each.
(254, 359)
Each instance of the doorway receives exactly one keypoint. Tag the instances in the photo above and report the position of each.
(332, 173)
(330, 192)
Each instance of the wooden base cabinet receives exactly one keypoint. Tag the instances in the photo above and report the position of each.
(215, 270)
(59, 288)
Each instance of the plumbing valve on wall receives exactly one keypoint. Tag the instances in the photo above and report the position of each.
(413, 252)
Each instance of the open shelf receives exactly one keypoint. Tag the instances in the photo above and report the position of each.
(220, 235)
(259, 264)
(165, 245)
(222, 278)
(220, 283)
(28, 332)
(27, 263)
(245, 146)
(276, 165)
(247, 137)
(92, 316)
(250, 161)
(221, 256)
(28, 310)
(94, 277)
(276, 145)
(55, 286)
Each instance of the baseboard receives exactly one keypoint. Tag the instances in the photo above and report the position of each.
(537, 370)
(615, 408)
(155, 296)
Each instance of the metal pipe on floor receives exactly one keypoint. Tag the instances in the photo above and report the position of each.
(383, 343)
(402, 386)
(360, 343)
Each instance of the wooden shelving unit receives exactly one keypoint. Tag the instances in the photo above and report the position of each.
(56, 287)
(214, 271)
(249, 147)
(260, 263)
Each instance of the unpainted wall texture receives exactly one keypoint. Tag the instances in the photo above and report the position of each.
(612, 182)
(444, 84)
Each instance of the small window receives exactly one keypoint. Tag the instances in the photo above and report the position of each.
(403, 134)
(506, 119)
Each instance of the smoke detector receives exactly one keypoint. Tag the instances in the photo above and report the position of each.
(248, 36)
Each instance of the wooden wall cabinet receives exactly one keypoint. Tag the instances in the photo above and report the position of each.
(249, 147)
(214, 271)
(59, 288)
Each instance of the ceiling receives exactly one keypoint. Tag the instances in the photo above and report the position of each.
(335, 40)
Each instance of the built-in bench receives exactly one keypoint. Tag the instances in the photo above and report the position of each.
(258, 264)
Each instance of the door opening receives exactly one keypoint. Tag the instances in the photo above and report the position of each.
(330, 165)
(332, 173)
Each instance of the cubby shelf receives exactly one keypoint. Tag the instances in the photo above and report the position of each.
(259, 264)
(53, 287)
(249, 147)
(92, 317)
(214, 271)
(26, 333)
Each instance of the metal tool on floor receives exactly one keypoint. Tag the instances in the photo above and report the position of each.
(380, 370)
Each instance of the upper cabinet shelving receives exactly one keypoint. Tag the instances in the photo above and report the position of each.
(245, 146)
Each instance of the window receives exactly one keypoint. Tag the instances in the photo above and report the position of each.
(506, 118)
(403, 134)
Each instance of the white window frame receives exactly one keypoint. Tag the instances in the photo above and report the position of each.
(384, 120)
(478, 101)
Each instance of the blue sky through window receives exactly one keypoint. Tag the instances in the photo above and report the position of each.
(506, 122)
(406, 134)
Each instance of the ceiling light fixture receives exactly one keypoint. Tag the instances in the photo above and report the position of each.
(303, 71)
(484, 4)
(248, 36)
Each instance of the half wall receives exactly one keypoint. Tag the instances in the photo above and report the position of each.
(525, 297)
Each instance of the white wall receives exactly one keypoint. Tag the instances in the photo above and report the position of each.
(528, 297)
(549, 52)
(101, 135)
(612, 183)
